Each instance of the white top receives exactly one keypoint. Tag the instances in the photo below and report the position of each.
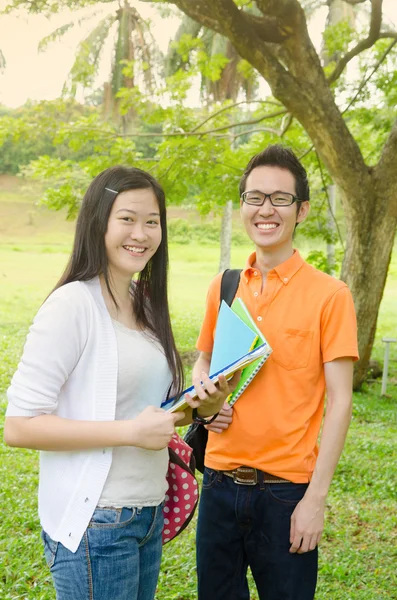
(69, 368)
(137, 476)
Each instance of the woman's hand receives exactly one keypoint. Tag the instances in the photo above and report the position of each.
(153, 428)
(210, 396)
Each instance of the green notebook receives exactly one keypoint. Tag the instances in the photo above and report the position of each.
(249, 372)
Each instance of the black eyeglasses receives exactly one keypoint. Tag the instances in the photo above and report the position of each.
(256, 198)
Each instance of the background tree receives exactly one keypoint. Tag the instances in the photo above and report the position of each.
(231, 78)
(133, 45)
(278, 45)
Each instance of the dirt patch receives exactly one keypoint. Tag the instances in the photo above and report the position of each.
(10, 183)
(189, 357)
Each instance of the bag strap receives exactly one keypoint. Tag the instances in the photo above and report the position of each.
(229, 285)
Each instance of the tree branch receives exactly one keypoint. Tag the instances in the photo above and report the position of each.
(259, 129)
(207, 131)
(226, 108)
(215, 14)
(194, 132)
(366, 79)
(284, 9)
(287, 124)
(388, 34)
(373, 36)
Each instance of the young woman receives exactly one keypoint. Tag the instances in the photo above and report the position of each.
(98, 361)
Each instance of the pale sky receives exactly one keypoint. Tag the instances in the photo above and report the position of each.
(38, 76)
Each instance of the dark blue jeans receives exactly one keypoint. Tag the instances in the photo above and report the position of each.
(243, 525)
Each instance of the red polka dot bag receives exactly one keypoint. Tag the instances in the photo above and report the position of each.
(182, 494)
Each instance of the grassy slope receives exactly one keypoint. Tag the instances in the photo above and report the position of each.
(359, 553)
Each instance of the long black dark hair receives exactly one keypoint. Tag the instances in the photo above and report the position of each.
(89, 258)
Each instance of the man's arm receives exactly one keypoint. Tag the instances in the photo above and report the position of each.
(202, 365)
(307, 521)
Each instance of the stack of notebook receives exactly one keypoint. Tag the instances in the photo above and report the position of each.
(238, 345)
(236, 332)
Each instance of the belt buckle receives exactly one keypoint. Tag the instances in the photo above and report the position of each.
(245, 476)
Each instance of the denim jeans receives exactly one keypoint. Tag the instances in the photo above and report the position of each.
(244, 525)
(118, 557)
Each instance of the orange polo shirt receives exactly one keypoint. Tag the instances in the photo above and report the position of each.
(308, 318)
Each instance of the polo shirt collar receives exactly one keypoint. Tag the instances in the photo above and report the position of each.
(285, 271)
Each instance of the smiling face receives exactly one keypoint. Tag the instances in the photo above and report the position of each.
(271, 228)
(133, 233)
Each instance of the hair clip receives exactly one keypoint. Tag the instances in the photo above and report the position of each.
(109, 190)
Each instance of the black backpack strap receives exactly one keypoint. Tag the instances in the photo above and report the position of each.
(229, 285)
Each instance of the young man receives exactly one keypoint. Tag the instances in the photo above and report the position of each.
(266, 482)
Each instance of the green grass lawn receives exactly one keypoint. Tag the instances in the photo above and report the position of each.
(359, 547)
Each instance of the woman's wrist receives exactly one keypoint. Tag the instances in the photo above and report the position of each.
(203, 420)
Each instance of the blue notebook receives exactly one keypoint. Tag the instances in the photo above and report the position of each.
(233, 339)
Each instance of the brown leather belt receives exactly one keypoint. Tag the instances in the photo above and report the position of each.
(251, 476)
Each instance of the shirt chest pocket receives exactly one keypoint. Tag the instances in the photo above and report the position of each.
(292, 348)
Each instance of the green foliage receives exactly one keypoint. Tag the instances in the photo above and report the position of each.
(86, 64)
(181, 231)
(55, 36)
(29, 132)
(385, 78)
(211, 67)
(319, 260)
(185, 46)
(337, 38)
(371, 127)
(49, 7)
(246, 69)
(70, 178)
(203, 170)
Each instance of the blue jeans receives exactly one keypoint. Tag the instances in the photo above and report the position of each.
(118, 557)
(244, 525)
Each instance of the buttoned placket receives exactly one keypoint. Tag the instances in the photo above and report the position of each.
(264, 300)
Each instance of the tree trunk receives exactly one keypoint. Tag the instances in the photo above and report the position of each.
(365, 266)
(226, 236)
(331, 215)
(340, 11)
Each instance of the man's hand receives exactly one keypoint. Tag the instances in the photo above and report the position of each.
(307, 524)
(223, 420)
(210, 397)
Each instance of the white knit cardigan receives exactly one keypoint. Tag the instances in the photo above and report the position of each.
(69, 368)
